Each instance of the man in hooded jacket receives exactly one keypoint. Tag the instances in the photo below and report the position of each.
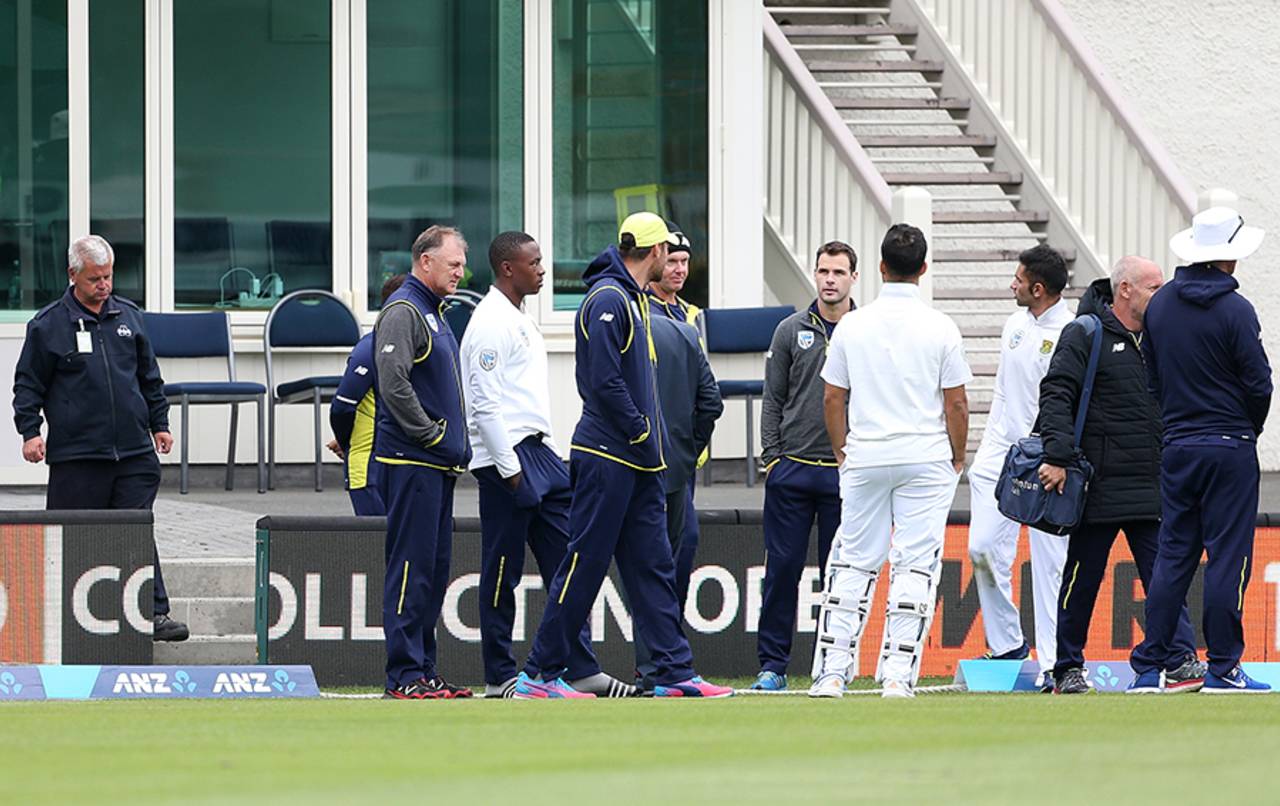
(1210, 373)
(616, 468)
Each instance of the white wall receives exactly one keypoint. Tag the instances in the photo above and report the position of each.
(1202, 76)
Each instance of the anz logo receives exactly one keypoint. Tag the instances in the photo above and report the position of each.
(153, 683)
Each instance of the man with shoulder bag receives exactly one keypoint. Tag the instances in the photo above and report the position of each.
(1121, 440)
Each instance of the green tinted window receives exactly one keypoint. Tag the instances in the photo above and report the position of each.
(252, 151)
(117, 139)
(445, 128)
(630, 121)
(33, 152)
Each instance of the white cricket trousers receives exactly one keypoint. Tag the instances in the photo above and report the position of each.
(898, 513)
(993, 545)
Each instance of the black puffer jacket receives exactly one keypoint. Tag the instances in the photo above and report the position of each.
(1122, 430)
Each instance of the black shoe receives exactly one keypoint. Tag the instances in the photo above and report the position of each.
(1072, 682)
(419, 689)
(1021, 653)
(164, 628)
(445, 691)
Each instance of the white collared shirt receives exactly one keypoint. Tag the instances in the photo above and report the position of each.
(504, 378)
(895, 356)
(1026, 346)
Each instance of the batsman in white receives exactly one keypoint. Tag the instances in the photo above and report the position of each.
(1026, 345)
(907, 422)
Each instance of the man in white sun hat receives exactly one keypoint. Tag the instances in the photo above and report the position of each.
(1207, 367)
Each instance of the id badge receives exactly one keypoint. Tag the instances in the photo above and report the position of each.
(84, 341)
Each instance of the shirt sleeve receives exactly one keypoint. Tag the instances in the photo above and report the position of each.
(608, 323)
(31, 379)
(150, 382)
(487, 356)
(777, 377)
(836, 370)
(955, 369)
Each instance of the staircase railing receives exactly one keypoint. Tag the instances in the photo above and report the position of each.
(819, 183)
(1114, 180)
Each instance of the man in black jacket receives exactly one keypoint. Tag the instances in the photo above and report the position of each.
(1213, 380)
(88, 367)
(1122, 441)
(690, 401)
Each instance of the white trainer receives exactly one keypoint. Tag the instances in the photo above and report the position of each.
(896, 689)
(828, 685)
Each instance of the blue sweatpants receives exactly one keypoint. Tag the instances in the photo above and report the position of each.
(537, 513)
(795, 494)
(419, 541)
(617, 513)
(1210, 506)
(367, 501)
(682, 531)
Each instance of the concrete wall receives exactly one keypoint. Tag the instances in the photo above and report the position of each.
(1202, 77)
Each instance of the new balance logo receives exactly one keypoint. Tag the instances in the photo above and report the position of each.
(1118, 347)
(606, 317)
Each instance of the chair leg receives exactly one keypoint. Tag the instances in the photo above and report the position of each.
(231, 446)
(271, 443)
(751, 443)
(262, 447)
(316, 411)
(186, 440)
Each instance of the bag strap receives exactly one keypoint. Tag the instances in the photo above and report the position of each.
(1091, 324)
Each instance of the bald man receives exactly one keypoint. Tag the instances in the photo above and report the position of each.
(1121, 439)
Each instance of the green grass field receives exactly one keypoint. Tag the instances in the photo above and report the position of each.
(952, 748)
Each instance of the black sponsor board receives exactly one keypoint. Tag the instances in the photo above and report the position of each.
(321, 603)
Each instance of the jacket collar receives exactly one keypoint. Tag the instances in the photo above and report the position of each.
(900, 290)
(77, 311)
(418, 288)
(815, 318)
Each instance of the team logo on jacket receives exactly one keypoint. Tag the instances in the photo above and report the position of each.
(432, 323)
(1015, 339)
(805, 339)
(123, 331)
(488, 360)
(1046, 347)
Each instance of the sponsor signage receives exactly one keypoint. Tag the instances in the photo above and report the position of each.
(320, 602)
(155, 682)
(76, 587)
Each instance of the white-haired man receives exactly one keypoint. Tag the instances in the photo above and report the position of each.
(88, 371)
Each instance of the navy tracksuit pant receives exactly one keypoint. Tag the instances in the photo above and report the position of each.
(1210, 490)
(419, 541)
(617, 513)
(795, 494)
(537, 513)
(1088, 548)
(106, 484)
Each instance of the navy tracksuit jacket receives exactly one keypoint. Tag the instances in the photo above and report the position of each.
(616, 465)
(1208, 369)
(352, 417)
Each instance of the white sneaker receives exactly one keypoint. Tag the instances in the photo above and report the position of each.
(500, 691)
(828, 685)
(896, 689)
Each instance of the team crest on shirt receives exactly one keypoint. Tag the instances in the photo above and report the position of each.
(805, 339)
(433, 323)
(123, 331)
(1016, 339)
(1046, 347)
(488, 360)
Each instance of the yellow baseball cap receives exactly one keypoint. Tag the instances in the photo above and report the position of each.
(647, 229)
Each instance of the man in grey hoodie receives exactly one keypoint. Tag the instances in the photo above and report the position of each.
(803, 481)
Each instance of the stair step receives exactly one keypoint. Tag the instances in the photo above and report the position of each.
(874, 66)
(208, 650)
(988, 255)
(991, 293)
(953, 123)
(957, 178)
(991, 217)
(860, 47)
(193, 578)
(826, 9)
(214, 615)
(980, 332)
(900, 103)
(927, 141)
(850, 30)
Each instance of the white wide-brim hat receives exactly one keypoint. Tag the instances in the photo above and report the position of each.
(1218, 233)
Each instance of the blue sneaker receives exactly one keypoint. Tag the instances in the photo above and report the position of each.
(770, 681)
(1146, 683)
(693, 687)
(1233, 682)
(529, 689)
